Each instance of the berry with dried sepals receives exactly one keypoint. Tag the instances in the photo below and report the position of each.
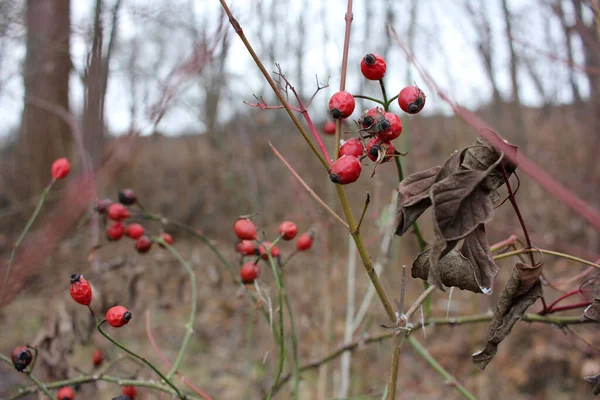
(97, 357)
(60, 168)
(304, 241)
(263, 252)
(21, 357)
(368, 118)
(389, 127)
(65, 393)
(102, 205)
(80, 290)
(352, 147)
(135, 231)
(249, 273)
(329, 128)
(373, 67)
(118, 316)
(115, 231)
(341, 105)
(127, 197)
(130, 391)
(245, 229)
(143, 244)
(345, 170)
(377, 148)
(245, 247)
(288, 229)
(411, 99)
(118, 212)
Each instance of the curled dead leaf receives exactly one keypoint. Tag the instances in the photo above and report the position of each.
(413, 198)
(592, 312)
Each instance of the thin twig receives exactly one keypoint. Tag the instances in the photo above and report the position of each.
(549, 252)
(364, 211)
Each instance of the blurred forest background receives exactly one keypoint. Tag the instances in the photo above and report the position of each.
(161, 84)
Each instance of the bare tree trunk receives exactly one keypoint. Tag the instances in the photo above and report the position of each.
(557, 8)
(44, 136)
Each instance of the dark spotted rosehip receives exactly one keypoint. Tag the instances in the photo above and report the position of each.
(143, 244)
(341, 105)
(373, 67)
(65, 393)
(21, 357)
(118, 316)
(127, 197)
(345, 170)
(97, 357)
(389, 127)
(411, 99)
(378, 149)
(102, 205)
(80, 290)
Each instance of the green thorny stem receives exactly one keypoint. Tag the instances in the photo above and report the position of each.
(30, 375)
(189, 327)
(280, 289)
(135, 355)
(23, 234)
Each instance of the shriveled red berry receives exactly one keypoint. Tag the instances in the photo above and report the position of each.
(167, 238)
(288, 229)
(117, 212)
(130, 391)
(127, 197)
(304, 241)
(249, 272)
(263, 252)
(373, 67)
(97, 357)
(345, 170)
(134, 231)
(329, 128)
(352, 147)
(341, 105)
(411, 99)
(369, 118)
(115, 231)
(245, 229)
(102, 205)
(80, 290)
(378, 149)
(143, 244)
(65, 393)
(118, 316)
(21, 357)
(245, 247)
(389, 127)
(60, 168)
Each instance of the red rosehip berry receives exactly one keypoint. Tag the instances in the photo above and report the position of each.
(21, 357)
(167, 238)
(345, 170)
(127, 197)
(117, 212)
(60, 168)
(102, 205)
(65, 393)
(118, 316)
(411, 99)
(341, 105)
(130, 391)
(352, 147)
(143, 244)
(97, 357)
(368, 118)
(373, 67)
(263, 252)
(115, 231)
(135, 231)
(249, 272)
(389, 127)
(304, 241)
(245, 247)
(288, 229)
(377, 148)
(329, 128)
(245, 229)
(80, 290)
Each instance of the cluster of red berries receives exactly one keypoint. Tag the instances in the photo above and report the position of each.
(376, 125)
(118, 212)
(246, 232)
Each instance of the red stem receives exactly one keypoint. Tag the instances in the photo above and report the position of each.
(561, 298)
(567, 307)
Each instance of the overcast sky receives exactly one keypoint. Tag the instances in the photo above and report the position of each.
(445, 44)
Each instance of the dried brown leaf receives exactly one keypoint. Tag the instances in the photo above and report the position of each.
(521, 291)
(461, 202)
(595, 382)
(592, 312)
(477, 250)
(413, 198)
(452, 270)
